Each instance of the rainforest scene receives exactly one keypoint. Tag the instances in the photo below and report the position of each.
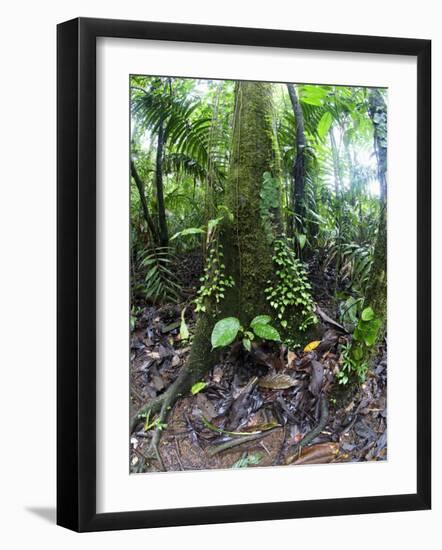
(258, 258)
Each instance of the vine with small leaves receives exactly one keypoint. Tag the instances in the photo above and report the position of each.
(291, 289)
(214, 281)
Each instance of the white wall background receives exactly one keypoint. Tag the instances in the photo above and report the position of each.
(27, 275)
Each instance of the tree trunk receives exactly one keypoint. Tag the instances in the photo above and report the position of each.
(298, 173)
(376, 294)
(338, 204)
(336, 165)
(247, 247)
(145, 208)
(164, 235)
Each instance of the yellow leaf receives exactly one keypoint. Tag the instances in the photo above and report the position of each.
(313, 345)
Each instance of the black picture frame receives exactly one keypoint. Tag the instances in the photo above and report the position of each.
(77, 287)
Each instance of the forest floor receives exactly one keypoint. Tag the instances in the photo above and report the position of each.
(257, 407)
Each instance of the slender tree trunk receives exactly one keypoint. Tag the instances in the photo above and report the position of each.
(351, 175)
(338, 203)
(336, 166)
(213, 144)
(145, 208)
(376, 294)
(298, 172)
(162, 222)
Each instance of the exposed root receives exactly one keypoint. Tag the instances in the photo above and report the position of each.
(163, 404)
(200, 361)
(152, 406)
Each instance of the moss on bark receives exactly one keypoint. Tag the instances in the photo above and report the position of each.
(376, 293)
(247, 252)
(247, 249)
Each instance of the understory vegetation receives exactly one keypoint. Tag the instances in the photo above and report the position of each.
(258, 274)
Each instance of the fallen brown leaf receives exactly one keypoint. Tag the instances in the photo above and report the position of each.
(291, 358)
(322, 453)
(276, 382)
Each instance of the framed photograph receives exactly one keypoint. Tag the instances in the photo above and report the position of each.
(243, 274)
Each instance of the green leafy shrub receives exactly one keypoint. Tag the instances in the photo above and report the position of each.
(226, 331)
(355, 354)
(349, 309)
(291, 289)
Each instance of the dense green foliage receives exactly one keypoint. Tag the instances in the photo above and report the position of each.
(332, 139)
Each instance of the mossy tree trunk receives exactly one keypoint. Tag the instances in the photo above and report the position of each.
(246, 244)
(245, 240)
(376, 294)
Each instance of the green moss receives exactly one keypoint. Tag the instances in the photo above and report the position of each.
(247, 251)
(376, 293)
(201, 356)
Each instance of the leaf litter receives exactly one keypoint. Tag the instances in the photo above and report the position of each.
(255, 408)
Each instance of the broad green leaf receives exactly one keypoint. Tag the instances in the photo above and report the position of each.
(313, 91)
(324, 124)
(302, 240)
(367, 332)
(197, 387)
(261, 320)
(225, 332)
(213, 223)
(266, 332)
(311, 101)
(188, 231)
(371, 334)
(367, 314)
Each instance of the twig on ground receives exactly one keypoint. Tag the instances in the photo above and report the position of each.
(235, 442)
(312, 434)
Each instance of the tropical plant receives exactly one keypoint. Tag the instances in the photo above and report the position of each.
(355, 354)
(227, 330)
(290, 292)
(160, 282)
